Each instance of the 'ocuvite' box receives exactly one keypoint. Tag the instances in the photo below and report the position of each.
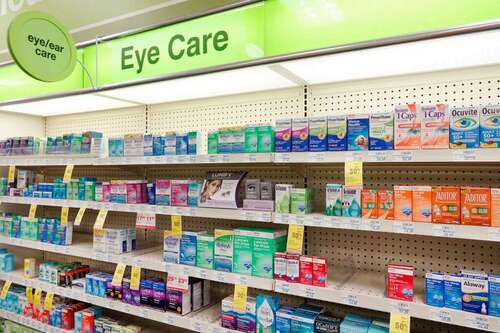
(407, 127)
(337, 133)
(317, 134)
(435, 121)
(464, 128)
(475, 292)
(382, 131)
(357, 132)
(489, 127)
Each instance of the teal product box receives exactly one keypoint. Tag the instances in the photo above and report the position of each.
(170, 143)
(300, 134)
(434, 289)
(266, 242)
(494, 287)
(236, 137)
(251, 138)
(192, 143)
(452, 284)
(302, 322)
(379, 326)
(334, 196)
(284, 319)
(381, 131)
(300, 201)
(187, 255)
(212, 142)
(318, 127)
(224, 140)
(194, 189)
(282, 194)
(357, 132)
(489, 126)
(181, 144)
(266, 313)
(7, 262)
(265, 139)
(205, 251)
(475, 292)
(348, 326)
(351, 201)
(358, 318)
(243, 251)
(464, 128)
(76, 143)
(223, 250)
(283, 135)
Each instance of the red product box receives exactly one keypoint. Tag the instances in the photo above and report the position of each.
(306, 270)
(320, 271)
(292, 267)
(400, 282)
(67, 318)
(45, 317)
(87, 321)
(280, 266)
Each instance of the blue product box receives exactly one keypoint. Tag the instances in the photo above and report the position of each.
(181, 144)
(266, 313)
(170, 143)
(494, 285)
(453, 291)
(318, 134)
(192, 143)
(475, 292)
(337, 133)
(464, 128)
(284, 319)
(358, 318)
(158, 145)
(434, 289)
(151, 193)
(148, 145)
(188, 244)
(302, 322)
(283, 136)
(348, 326)
(357, 132)
(489, 127)
(300, 135)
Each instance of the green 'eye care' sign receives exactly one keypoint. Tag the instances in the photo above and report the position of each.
(41, 46)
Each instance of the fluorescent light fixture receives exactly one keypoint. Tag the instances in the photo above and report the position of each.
(67, 105)
(468, 50)
(229, 82)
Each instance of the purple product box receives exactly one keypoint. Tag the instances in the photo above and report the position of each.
(246, 321)
(146, 292)
(180, 190)
(159, 294)
(179, 302)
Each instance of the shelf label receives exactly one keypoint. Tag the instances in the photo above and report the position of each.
(402, 156)
(404, 227)
(252, 158)
(49, 298)
(295, 238)
(444, 230)
(378, 156)
(79, 216)
(399, 323)
(494, 233)
(480, 322)
(401, 307)
(29, 294)
(464, 155)
(32, 211)
(101, 218)
(38, 297)
(5, 289)
(375, 225)
(135, 278)
(176, 225)
(226, 158)
(353, 172)
(317, 157)
(282, 157)
(309, 292)
(12, 174)
(177, 282)
(118, 276)
(441, 315)
(317, 220)
(145, 221)
(351, 300)
(240, 297)
(67, 173)
(64, 215)
(282, 218)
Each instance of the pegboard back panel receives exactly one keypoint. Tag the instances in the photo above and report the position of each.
(209, 114)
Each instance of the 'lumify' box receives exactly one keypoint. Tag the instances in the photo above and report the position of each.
(475, 292)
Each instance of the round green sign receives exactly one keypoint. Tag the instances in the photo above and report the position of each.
(41, 46)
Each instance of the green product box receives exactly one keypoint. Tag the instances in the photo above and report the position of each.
(243, 251)
(76, 144)
(89, 191)
(213, 142)
(265, 139)
(205, 251)
(282, 194)
(300, 201)
(251, 139)
(266, 242)
(25, 226)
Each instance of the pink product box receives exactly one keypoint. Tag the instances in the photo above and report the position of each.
(280, 266)
(293, 267)
(143, 186)
(306, 270)
(106, 192)
(180, 193)
(163, 192)
(319, 271)
(131, 193)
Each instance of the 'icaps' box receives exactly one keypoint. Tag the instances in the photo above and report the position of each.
(407, 127)
(489, 127)
(435, 126)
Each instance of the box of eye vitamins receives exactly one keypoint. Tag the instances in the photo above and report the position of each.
(337, 133)
(300, 134)
(489, 126)
(464, 128)
(283, 135)
(475, 202)
(435, 126)
(317, 134)
(407, 127)
(382, 131)
(446, 204)
(357, 132)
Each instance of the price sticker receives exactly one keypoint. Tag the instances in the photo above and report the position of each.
(5, 289)
(145, 221)
(12, 174)
(68, 173)
(399, 323)
(101, 218)
(176, 225)
(118, 276)
(32, 211)
(295, 238)
(79, 216)
(353, 172)
(282, 157)
(240, 297)
(177, 282)
(135, 278)
(64, 215)
(38, 297)
(29, 294)
(49, 298)
(444, 230)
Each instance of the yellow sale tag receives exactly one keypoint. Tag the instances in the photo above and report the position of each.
(32, 211)
(101, 218)
(49, 298)
(64, 215)
(135, 278)
(5, 289)
(118, 276)
(79, 216)
(12, 174)
(353, 172)
(38, 297)
(295, 238)
(240, 297)
(399, 323)
(176, 225)
(29, 294)
(67, 173)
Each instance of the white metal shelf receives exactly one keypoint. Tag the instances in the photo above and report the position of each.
(206, 320)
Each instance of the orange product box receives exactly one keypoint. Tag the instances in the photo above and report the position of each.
(403, 205)
(422, 203)
(476, 207)
(407, 127)
(385, 201)
(495, 207)
(369, 207)
(446, 204)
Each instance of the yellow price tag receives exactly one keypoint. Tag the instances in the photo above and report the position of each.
(67, 173)
(176, 225)
(12, 174)
(32, 211)
(240, 297)
(118, 276)
(101, 218)
(399, 323)
(64, 215)
(49, 299)
(79, 216)
(5, 289)
(135, 278)
(38, 297)
(29, 294)
(353, 172)
(295, 238)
